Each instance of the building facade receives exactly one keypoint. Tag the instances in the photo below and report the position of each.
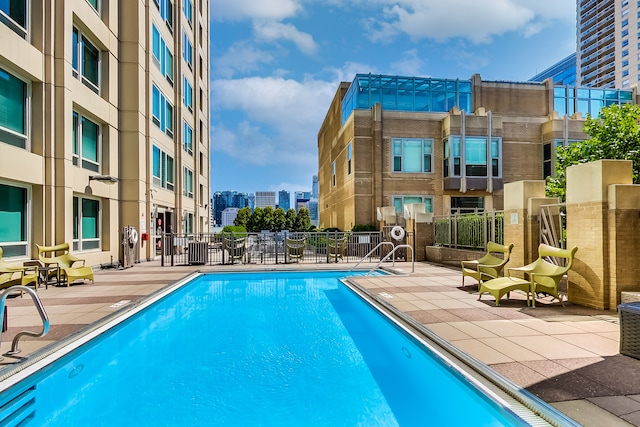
(284, 200)
(450, 144)
(104, 113)
(265, 198)
(607, 37)
(227, 199)
(562, 73)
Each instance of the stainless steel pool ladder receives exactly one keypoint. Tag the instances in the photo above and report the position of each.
(43, 315)
(372, 251)
(386, 257)
(395, 248)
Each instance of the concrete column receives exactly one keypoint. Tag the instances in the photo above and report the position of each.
(520, 227)
(594, 223)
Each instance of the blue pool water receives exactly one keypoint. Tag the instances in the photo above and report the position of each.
(269, 349)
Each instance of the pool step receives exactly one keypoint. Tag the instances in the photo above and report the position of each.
(18, 408)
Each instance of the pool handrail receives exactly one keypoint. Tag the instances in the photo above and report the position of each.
(372, 251)
(39, 307)
(413, 259)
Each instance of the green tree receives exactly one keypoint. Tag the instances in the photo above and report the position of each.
(279, 220)
(613, 135)
(290, 219)
(243, 217)
(303, 220)
(255, 221)
(267, 219)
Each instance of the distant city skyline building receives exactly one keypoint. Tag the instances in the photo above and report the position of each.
(265, 198)
(302, 197)
(312, 205)
(284, 200)
(314, 187)
(229, 216)
(227, 199)
(562, 72)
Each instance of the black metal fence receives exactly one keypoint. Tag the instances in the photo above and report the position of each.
(469, 231)
(272, 248)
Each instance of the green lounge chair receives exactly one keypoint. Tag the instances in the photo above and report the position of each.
(16, 275)
(541, 276)
(489, 266)
(235, 246)
(295, 248)
(336, 247)
(70, 267)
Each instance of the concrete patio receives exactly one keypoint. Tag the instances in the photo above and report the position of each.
(567, 356)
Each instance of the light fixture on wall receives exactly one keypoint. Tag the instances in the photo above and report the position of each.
(107, 179)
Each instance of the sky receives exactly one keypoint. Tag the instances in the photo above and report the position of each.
(276, 66)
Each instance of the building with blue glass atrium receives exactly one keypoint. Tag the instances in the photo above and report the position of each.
(449, 143)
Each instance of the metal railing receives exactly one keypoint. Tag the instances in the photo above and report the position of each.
(43, 315)
(470, 230)
(271, 248)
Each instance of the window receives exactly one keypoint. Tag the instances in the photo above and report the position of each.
(187, 8)
(86, 136)
(187, 138)
(467, 204)
(625, 43)
(625, 63)
(187, 50)
(188, 183)
(85, 61)
(333, 174)
(625, 73)
(14, 220)
(549, 155)
(624, 33)
(13, 110)
(162, 111)
(624, 23)
(95, 4)
(162, 169)
(166, 11)
(187, 222)
(187, 93)
(13, 13)
(200, 35)
(411, 155)
(86, 224)
(162, 56)
(349, 159)
(399, 202)
(475, 156)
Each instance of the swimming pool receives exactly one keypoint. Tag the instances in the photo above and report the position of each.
(277, 349)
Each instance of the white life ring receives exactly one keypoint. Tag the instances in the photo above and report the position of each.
(133, 237)
(397, 232)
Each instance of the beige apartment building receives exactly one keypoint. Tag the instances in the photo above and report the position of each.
(451, 144)
(104, 117)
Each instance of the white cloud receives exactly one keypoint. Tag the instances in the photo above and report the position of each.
(410, 64)
(291, 112)
(475, 20)
(270, 31)
(236, 10)
(242, 58)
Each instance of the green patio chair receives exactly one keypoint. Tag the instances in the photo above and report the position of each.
(489, 266)
(17, 275)
(540, 277)
(295, 248)
(70, 268)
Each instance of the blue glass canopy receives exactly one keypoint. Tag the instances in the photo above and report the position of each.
(396, 93)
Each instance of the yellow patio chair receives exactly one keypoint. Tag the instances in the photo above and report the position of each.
(295, 248)
(337, 246)
(541, 276)
(235, 247)
(70, 267)
(17, 275)
(489, 266)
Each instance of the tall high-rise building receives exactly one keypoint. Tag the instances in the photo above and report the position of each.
(265, 198)
(227, 199)
(284, 200)
(94, 93)
(607, 51)
(563, 72)
(314, 187)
